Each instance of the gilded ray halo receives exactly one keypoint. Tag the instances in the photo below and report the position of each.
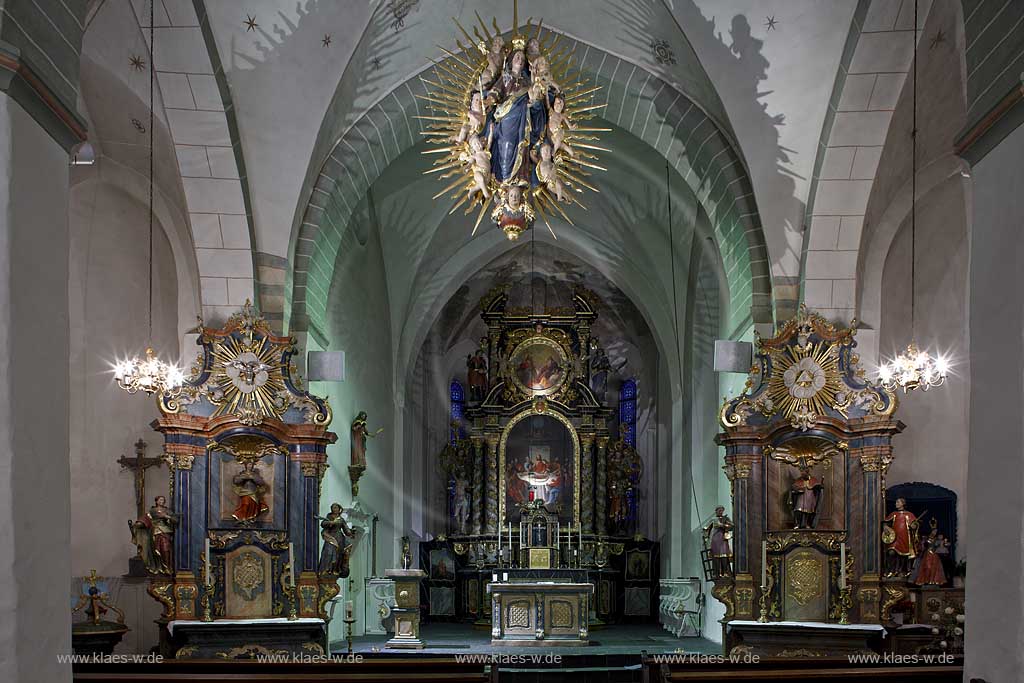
(485, 105)
(816, 358)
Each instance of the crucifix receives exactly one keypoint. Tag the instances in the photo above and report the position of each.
(139, 464)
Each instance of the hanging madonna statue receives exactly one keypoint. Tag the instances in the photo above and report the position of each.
(509, 133)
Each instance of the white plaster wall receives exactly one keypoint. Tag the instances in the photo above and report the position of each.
(109, 305)
(34, 480)
(934, 446)
(359, 321)
(995, 483)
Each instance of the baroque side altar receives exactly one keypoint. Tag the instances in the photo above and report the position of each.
(807, 446)
(246, 446)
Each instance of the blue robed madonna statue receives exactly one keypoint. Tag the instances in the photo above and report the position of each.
(518, 120)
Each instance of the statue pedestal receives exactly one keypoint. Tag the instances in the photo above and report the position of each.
(407, 609)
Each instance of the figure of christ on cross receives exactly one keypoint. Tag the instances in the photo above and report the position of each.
(139, 464)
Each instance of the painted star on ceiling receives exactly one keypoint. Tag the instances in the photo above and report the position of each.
(326, 40)
(770, 22)
(250, 23)
(137, 62)
(939, 37)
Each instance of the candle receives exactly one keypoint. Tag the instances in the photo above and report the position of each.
(499, 545)
(764, 564)
(510, 538)
(842, 566)
(348, 610)
(504, 577)
(494, 577)
(209, 566)
(291, 563)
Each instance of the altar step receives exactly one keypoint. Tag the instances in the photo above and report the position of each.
(574, 669)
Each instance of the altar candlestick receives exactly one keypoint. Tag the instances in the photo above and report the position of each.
(842, 566)
(209, 566)
(764, 564)
(291, 563)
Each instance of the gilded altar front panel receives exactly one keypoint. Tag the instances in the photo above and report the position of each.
(805, 585)
(249, 583)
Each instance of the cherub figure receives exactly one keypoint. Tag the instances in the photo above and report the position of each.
(547, 171)
(540, 71)
(480, 163)
(476, 116)
(557, 121)
(495, 61)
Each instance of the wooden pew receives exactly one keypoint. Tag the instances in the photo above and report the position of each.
(369, 670)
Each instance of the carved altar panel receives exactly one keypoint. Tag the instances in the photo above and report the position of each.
(249, 577)
(230, 482)
(805, 585)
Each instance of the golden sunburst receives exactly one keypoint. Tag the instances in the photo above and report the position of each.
(485, 107)
(815, 381)
(247, 379)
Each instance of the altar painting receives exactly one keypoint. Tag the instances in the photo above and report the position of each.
(539, 465)
(539, 366)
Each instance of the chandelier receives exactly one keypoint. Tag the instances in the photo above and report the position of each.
(914, 368)
(149, 374)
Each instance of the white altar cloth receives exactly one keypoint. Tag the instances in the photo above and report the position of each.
(222, 622)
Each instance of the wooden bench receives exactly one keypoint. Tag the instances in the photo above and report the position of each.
(655, 670)
(371, 669)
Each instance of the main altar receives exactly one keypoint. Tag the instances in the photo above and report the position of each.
(542, 485)
(807, 446)
(237, 565)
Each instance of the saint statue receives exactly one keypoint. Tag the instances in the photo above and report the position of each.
(249, 486)
(899, 535)
(804, 497)
(717, 534)
(476, 367)
(929, 570)
(153, 535)
(462, 505)
(360, 432)
(335, 532)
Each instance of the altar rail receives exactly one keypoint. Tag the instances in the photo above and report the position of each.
(375, 670)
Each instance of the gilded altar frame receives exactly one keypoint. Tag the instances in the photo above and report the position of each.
(540, 408)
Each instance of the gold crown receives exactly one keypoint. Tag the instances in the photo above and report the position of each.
(519, 43)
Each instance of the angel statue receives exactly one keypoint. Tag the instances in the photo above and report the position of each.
(507, 129)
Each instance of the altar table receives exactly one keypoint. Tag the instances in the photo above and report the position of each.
(540, 613)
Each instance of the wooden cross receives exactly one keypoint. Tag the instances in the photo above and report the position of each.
(139, 464)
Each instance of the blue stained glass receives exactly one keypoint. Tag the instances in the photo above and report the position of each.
(457, 392)
(627, 409)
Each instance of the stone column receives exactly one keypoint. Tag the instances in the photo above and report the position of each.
(587, 483)
(491, 490)
(35, 487)
(601, 488)
(478, 485)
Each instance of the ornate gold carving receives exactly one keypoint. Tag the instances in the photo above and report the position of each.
(745, 600)
(806, 450)
(180, 461)
(248, 574)
(778, 541)
(722, 591)
(247, 447)
(804, 577)
(186, 652)
(893, 595)
(163, 592)
(561, 614)
(517, 615)
(799, 653)
(250, 651)
(315, 648)
(327, 593)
